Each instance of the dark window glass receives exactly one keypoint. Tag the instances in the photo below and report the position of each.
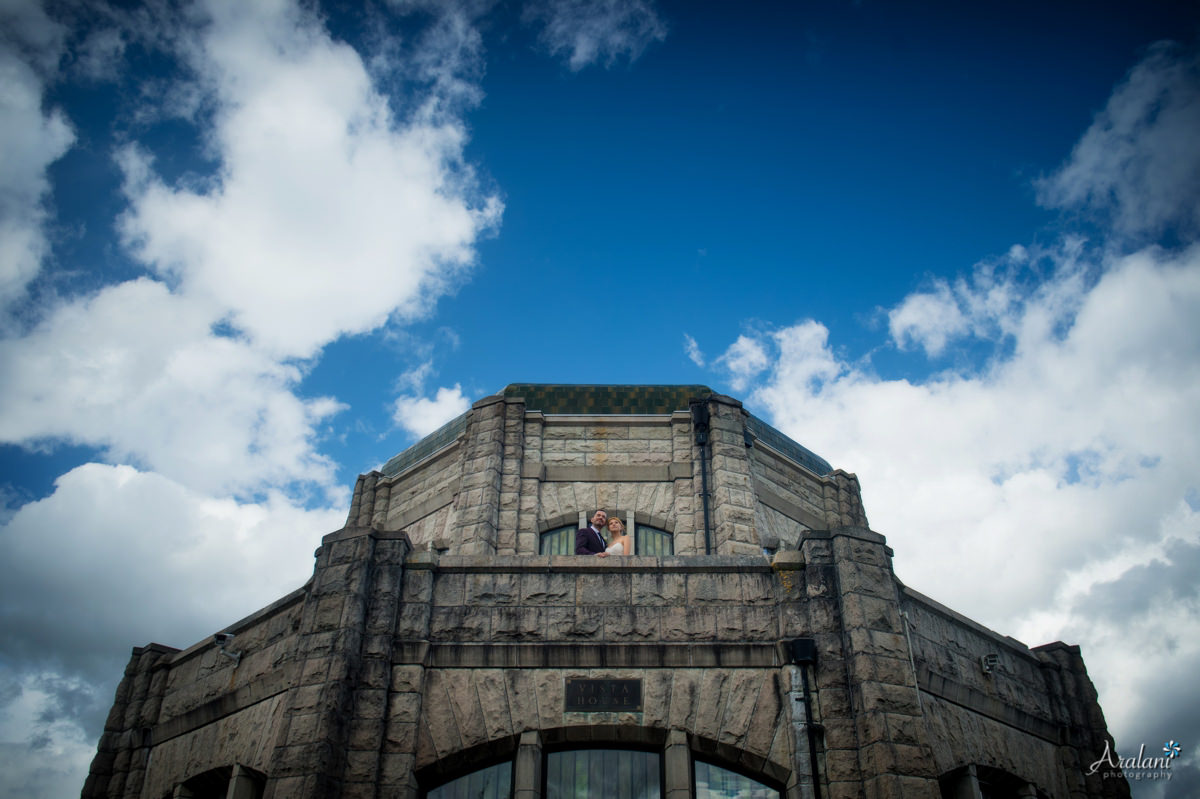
(558, 542)
(652, 541)
(493, 782)
(607, 773)
(714, 782)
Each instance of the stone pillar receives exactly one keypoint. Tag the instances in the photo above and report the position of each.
(527, 779)
(733, 501)
(331, 739)
(241, 784)
(677, 766)
(477, 507)
(842, 499)
(510, 478)
(894, 756)
(685, 471)
(119, 767)
(804, 770)
(967, 785)
(532, 471)
(1078, 710)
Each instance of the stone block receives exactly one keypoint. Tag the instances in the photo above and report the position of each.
(517, 624)
(631, 624)
(874, 642)
(547, 589)
(659, 589)
(406, 679)
(687, 624)
(869, 612)
(603, 588)
(841, 765)
(449, 589)
(900, 699)
(492, 589)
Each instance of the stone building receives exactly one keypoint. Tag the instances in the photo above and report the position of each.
(757, 644)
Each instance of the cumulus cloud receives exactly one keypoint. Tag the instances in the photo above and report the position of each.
(331, 215)
(744, 359)
(421, 416)
(136, 370)
(75, 598)
(31, 138)
(333, 208)
(1138, 164)
(1057, 474)
(586, 32)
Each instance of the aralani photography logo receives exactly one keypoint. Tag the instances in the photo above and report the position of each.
(1138, 767)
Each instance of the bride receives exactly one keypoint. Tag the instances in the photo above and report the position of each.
(621, 543)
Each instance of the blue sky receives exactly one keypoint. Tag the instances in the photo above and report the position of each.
(250, 253)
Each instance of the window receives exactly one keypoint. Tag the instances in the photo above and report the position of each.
(652, 541)
(560, 541)
(493, 782)
(608, 773)
(714, 782)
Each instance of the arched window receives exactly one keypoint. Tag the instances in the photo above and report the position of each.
(652, 541)
(616, 773)
(493, 782)
(714, 782)
(559, 541)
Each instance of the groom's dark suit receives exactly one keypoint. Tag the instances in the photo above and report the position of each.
(588, 542)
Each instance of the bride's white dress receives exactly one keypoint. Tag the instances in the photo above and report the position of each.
(616, 549)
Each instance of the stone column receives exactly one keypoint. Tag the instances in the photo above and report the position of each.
(119, 767)
(477, 507)
(241, 784)
(329, 744)
(685, 476)
(1078, 710)
(677, 766)
(804, 770)
(510, 477)
(527, 779)
(894, 756)
(733, 500)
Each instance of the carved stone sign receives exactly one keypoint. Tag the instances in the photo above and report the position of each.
(588, 696)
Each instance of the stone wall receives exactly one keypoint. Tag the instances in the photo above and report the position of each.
(433, 639)
(514, 473)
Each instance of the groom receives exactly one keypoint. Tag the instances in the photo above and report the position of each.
(589, 540)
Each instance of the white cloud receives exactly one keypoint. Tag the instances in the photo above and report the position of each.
(114, 558)
(330, 214)
(591, 31)
(1139, 162)
(1051, 475)
(928, 320)
(693, 350)
(744, 359)
(136, 370)
(30, 140)
(421, 416)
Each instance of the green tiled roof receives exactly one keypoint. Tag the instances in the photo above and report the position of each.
(552, 398)
(585, 399)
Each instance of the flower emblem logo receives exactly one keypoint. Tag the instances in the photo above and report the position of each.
(1171, 749)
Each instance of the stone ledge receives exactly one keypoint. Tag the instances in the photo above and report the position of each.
(788, 508)
(274, 683)
(767, 655)
(254, 618)
(615, 473)
(590, 564)
(969, 698)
